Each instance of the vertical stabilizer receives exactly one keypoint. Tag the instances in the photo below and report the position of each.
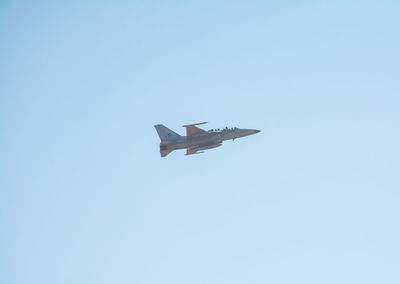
(167, 134)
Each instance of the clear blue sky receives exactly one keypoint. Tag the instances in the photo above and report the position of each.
(86, 198)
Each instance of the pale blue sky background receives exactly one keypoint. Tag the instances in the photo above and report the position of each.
(313, 198)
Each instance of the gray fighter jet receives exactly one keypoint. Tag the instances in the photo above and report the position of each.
(197, 139)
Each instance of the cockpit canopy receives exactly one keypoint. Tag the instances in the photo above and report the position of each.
(224, 129)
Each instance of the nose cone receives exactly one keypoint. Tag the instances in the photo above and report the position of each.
(253, 131)
(247, 132)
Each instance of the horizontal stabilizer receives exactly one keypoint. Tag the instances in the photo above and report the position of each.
(164, 153)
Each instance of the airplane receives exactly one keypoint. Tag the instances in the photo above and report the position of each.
(197, 139)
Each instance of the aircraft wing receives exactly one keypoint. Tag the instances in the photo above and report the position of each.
(191, 151)
(195, 149)
(193, 130)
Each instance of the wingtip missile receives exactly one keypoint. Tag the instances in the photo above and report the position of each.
(194, 124)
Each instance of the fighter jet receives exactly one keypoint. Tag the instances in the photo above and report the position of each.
(197, 139)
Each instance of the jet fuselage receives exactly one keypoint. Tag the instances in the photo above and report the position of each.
(197, 139)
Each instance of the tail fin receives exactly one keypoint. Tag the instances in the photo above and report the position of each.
(166, 134)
